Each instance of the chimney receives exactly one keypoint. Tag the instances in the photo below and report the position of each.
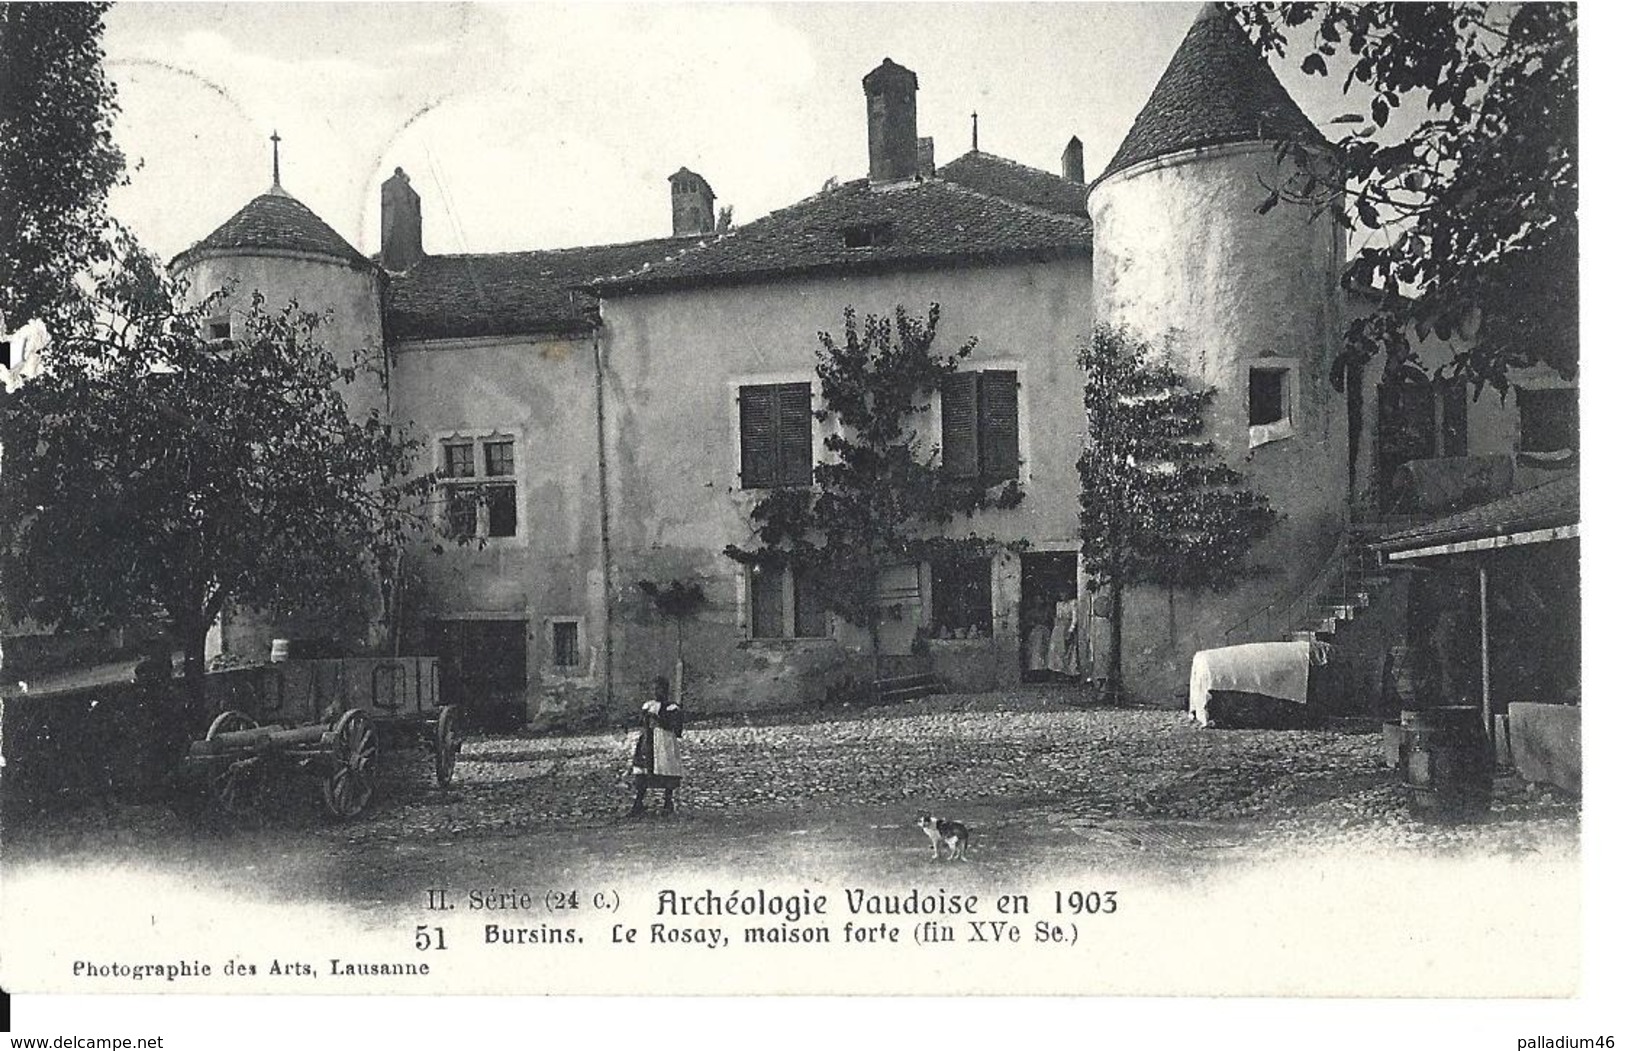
(692, 203)
(400, 232)
(893, 150)
(925, 153)
(1072, 161)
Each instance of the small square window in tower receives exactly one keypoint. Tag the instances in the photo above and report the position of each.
(1269, 404)
(981, 433)
(1548, 422)
(775, 435)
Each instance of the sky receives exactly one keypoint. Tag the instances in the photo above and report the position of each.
(541, 126)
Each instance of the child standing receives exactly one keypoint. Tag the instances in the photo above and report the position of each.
(655, 761)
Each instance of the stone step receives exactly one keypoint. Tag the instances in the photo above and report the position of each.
(906, 687)
(910, 693)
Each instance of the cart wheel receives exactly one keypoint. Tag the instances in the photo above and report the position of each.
(448, 741)
(235, 784)
(348, 789)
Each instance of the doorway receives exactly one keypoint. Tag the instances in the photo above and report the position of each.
(1053, 633)
(482, 669)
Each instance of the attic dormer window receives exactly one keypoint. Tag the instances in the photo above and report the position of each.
(869, 235)
(219, 328)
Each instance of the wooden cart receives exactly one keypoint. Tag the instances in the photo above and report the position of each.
(326, 718)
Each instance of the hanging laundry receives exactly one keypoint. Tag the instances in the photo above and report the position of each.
(23, 360)
(1038, 648)
(1063, 639)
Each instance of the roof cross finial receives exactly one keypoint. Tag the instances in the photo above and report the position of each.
(276, 159)
(973, 147)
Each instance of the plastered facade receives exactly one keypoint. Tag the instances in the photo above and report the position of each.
(1182, 253)
(673, 364)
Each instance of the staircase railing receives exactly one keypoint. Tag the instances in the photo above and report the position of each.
(1271, 620)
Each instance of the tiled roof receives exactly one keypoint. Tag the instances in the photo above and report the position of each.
(1546, 506)
(1017, 182)
(1217, 89)
(275, 220)
(508, 293)
(903, 225)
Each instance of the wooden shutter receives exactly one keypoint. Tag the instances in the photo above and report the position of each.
(1001, 437)
(775, 435)
(795, 434)
(767, 602)
(758, 445)
(812, 614)
(960, 455)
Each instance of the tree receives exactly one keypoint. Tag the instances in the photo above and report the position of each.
(171, 473)
(1477, 204)
(57, 158)
(677, 601)
(1155, 506)
(880, 502)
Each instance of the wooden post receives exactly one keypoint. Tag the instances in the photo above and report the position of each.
(1484, 649)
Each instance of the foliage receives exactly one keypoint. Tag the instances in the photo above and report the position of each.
(57, 158)
(1155, 506)
(160, 470)
(882, 499)
(1476, 205)
(677, 601)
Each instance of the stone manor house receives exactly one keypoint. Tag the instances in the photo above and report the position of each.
(623, 406)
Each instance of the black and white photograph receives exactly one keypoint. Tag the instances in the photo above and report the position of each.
(1073, 500)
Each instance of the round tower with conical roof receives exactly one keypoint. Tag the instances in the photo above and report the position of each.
(277, 247)
(1247, 300)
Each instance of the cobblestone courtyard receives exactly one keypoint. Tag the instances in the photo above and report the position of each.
(1041, 782)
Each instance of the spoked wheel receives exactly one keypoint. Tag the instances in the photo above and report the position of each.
(448, 741)
(235, 784)
(348, 789)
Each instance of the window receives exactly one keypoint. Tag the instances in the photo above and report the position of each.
(566, 644)
(980, 433)
(1266, 396)
(1548, 420)
(1269, 403)
(775, 435)
(962, 598)
(786, 604)
(218, 328)
(479, 487)
(869, 235)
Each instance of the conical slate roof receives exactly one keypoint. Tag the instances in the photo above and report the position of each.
(274, 220)
(1217, 89)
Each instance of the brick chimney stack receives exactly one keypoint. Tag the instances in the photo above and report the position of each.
(401, 229)
(926, 157)
(893, 139)
(1072, 161)
(693, 205)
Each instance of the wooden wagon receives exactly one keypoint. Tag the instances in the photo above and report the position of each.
(326, 718)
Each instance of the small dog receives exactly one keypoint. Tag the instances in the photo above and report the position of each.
(952, 834)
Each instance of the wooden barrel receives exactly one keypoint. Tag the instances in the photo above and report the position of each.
(1445, 760)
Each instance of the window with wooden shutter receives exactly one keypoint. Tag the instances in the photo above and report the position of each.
(795, 433)
(1000, 438)
(812, 612)
(767, 602)
(981, 433)
(775, 435)
(960, 457)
